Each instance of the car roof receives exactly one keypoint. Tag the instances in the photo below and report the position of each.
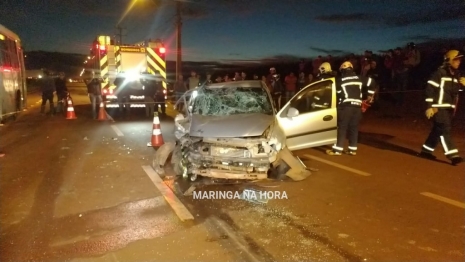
(232, 84)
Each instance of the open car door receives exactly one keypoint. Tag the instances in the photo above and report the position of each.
(309, 119)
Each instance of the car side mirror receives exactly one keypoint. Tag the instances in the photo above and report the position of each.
(292, 112)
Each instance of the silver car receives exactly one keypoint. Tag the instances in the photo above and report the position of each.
(232, 130)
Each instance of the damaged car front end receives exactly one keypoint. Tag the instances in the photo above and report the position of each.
(229, 131)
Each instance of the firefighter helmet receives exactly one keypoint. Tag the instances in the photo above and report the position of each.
(451, 55)
(325, 68)
(346, 66)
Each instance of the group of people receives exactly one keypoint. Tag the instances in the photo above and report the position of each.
(50, 86)
(441, 98)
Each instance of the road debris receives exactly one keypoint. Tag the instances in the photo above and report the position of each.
(85, 138)
(255, 196)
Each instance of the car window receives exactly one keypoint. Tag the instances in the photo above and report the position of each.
(314, 98)
(231, 101)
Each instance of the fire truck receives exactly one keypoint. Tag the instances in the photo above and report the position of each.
(109, 61)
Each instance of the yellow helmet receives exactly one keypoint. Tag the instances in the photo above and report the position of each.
(325, 68)
(451, 55)
(346, 65)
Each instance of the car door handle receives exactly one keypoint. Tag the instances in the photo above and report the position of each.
(328, 118)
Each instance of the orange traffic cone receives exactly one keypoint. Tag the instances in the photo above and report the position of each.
(157, 138)
(102, 114)
(70, 110)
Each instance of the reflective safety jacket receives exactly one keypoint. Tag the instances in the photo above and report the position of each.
(351, 89)
(442, 90)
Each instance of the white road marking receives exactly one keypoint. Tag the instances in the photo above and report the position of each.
(117, 131)
(169, 196)
(358, 172)
(444, 199)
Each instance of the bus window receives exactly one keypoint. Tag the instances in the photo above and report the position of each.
(4, 53)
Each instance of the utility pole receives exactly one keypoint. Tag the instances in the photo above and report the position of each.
(120, 34)
(178, 40)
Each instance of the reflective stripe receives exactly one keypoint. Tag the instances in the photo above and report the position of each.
(428, 148)
(441, 92)
(70, 109)
(429, 100)
(156, 132)
(156, 120)
(371, 92)
(431, 82)
(339, 91)
(443, 105)
(352, 148)
(338, 148)
(444, 145)
(454, 151)
(369, 81)
(352, 100)
(317, 98)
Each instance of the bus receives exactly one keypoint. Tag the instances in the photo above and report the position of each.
(13, 90)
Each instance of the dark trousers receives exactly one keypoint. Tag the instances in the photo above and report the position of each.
(441, 132)
(47, 97)
(348, 119)
(400, 83)
(160, 101)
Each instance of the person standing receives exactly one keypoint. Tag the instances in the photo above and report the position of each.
(61, 91)
(349, 88)
(47, 88)
(95, 95)
(149, 83)
(180, 87)
(291, 85)
(193, 80)
(441, 94)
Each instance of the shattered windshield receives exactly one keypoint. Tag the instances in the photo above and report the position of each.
(232, 101)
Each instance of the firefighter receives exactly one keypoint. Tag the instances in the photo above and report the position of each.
(325, 71)
(441, 94)
(350, 92)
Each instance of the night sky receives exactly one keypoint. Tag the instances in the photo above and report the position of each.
(215, 30)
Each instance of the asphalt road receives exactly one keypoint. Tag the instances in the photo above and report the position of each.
(77, 190)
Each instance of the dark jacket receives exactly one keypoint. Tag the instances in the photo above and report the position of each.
(442, 89)
(47, 85)
(351, 89)
(150, 84)
(60, 85)
(94, 87)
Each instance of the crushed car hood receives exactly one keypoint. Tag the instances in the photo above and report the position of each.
(242, 125)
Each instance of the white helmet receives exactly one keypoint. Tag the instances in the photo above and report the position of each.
(325, 68)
